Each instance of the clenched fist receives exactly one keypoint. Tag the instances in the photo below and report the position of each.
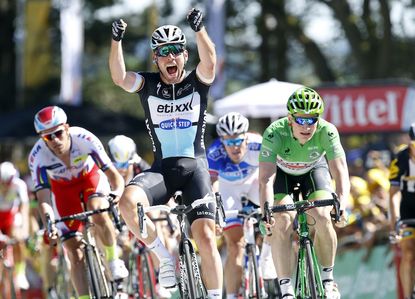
(195, 19)
(118, 29)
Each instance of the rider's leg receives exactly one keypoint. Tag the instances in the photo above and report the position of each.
(128, 208)
(282, 247)
(234, 239)
(203, 231)
(106, 232)
(325, 238)
(75, 253)
(407, 267)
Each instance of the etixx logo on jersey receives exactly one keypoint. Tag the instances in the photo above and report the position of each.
(175, 123)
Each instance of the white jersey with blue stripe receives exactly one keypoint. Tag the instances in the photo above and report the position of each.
(243, 175)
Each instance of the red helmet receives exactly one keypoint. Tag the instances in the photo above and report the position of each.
(49, 117)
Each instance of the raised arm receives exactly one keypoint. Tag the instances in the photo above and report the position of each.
(205, 47)
(119, 75)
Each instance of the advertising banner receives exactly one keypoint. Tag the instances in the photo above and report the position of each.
(371, 278)
(366, 109)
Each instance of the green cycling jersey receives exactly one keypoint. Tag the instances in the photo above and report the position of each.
(281, 147)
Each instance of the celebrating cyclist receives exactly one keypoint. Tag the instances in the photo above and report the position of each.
(402, 179)
(294, 150)
(14, 217)
(123, 153)
(175, 103)
(71, 171)
(233, 167)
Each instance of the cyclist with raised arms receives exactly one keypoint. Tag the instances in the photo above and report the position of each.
(14, 217)
(402, 179)
(233, 167)
(294, 150)
(175, 103)
(70, 169)
(123, 153)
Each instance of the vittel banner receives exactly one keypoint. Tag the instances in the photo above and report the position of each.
(364, 109)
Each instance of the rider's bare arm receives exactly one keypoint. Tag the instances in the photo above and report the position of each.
(207, 55)
(393, 198)
(43, 196)
(267, 174)
(116, 180)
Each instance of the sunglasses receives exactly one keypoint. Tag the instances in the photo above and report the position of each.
(49, 137)
(164, 51)
(305, 120)
(122, 165)
(233, 142)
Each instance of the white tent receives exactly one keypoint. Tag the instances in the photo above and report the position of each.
(264, 100)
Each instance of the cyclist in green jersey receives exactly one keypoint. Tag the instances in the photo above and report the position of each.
(304, 149)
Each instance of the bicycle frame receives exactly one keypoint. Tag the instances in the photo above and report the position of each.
(100, 284)
(308, 278)
(252, 286)
(190, 279)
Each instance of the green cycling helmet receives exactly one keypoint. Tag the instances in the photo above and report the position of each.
(305, 101)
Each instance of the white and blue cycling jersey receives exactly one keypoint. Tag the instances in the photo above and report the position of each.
(236, 180)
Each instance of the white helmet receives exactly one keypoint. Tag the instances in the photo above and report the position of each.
(232, 123)
(122, 148)
(49, 117)
(167, 34)
(7, 172)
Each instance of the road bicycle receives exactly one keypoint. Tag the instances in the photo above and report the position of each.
(7, 285)
(252, 282)
(308, 283)
(101, 285)
(189, 280)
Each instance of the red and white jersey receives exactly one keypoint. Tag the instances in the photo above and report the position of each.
(13, 195)
(86, 151)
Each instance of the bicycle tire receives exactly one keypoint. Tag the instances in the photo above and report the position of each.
(98, 282)
(146, 275)
(190, 278)
(62, 279)
(254, 282)
(132, 282)
(311, 277)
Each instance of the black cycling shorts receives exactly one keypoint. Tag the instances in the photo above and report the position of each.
(189, 175)
(407, 207)
(317, 179)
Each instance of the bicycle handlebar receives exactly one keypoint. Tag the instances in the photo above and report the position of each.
(178, 210)
(400, 223)
(304, 205)
(83, 216)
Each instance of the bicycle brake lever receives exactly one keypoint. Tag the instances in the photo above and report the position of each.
(337, 212)
(115, 215)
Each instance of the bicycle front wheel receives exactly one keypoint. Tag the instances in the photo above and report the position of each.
(311, 276)
(146, 276)
(252, 280)
(98, 282)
